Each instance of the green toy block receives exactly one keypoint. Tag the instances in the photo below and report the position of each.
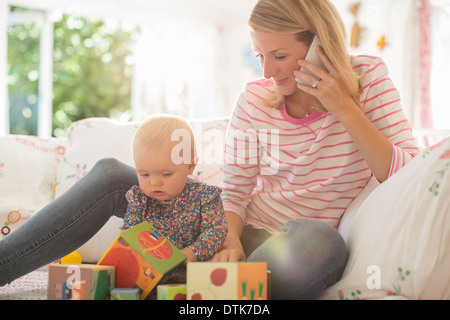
(172, 292)
(125, 294)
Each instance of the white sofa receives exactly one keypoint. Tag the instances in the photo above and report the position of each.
(398, 233)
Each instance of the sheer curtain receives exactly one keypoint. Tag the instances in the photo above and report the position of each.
(440, 63)
(193, 69)
(177, 70)
(169, 71)
(427, 57)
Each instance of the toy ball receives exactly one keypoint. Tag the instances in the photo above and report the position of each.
(72, 258)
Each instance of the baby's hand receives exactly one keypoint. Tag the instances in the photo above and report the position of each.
(190, 256)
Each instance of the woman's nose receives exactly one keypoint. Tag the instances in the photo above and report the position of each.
(269, 69)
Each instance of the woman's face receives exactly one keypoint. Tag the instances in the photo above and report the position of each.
(278, 54)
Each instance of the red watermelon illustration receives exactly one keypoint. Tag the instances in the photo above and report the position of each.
(155, 245)
(127, 266)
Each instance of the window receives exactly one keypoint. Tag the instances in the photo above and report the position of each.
(92, 69)
(125, 60)
(24, 34)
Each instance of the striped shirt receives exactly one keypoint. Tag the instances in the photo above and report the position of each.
(278, 168)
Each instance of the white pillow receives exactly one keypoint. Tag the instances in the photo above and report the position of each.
(96, 138)
(399, 240)
(346, 222)
(91, 140)
(27, 169)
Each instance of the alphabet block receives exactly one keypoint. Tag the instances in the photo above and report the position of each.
(80, 282)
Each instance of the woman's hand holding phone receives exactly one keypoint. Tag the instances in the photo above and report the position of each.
(330, 90)
(314, 58)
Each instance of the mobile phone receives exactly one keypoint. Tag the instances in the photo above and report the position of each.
(314, 58)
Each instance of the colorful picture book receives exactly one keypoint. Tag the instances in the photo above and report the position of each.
(141, 257)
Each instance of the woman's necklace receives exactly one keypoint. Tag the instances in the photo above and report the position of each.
(301, 106)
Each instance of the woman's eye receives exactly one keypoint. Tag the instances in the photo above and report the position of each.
(280, 57)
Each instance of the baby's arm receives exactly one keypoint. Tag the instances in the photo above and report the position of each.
(135, 209)
(190, 255)
(213, 231)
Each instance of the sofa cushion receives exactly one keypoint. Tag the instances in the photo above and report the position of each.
(399, 240)
(96, 138)
(27, 169)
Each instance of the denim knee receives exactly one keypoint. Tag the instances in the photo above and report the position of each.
(112, 171)
(304, 259)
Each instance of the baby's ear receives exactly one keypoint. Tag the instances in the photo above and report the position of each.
(193, 164)
(195, 160)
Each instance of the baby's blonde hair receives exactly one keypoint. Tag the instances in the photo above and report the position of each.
(161, 131)
(306, 18)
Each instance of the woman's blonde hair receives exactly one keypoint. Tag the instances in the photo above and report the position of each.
(161, 131)
(306, 18)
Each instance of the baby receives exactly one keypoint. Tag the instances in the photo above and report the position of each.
(187, 212)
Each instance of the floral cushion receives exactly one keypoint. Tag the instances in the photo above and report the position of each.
(28, 166)
(399, 239)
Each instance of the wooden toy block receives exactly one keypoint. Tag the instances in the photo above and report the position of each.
(226, 281)
(141, 257)
(80, 282)
(172, 292)
(125, 294)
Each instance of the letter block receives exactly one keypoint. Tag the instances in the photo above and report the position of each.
(227, 281)
(80, 282)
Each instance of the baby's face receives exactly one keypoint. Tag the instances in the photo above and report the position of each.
(159, 177)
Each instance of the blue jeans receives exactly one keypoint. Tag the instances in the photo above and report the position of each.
(67, 222)
(307, 257)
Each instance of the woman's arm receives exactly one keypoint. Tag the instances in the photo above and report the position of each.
(375, 148)
(378, 150)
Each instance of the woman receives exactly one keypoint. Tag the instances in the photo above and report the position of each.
(331, 136)
(322, 144)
